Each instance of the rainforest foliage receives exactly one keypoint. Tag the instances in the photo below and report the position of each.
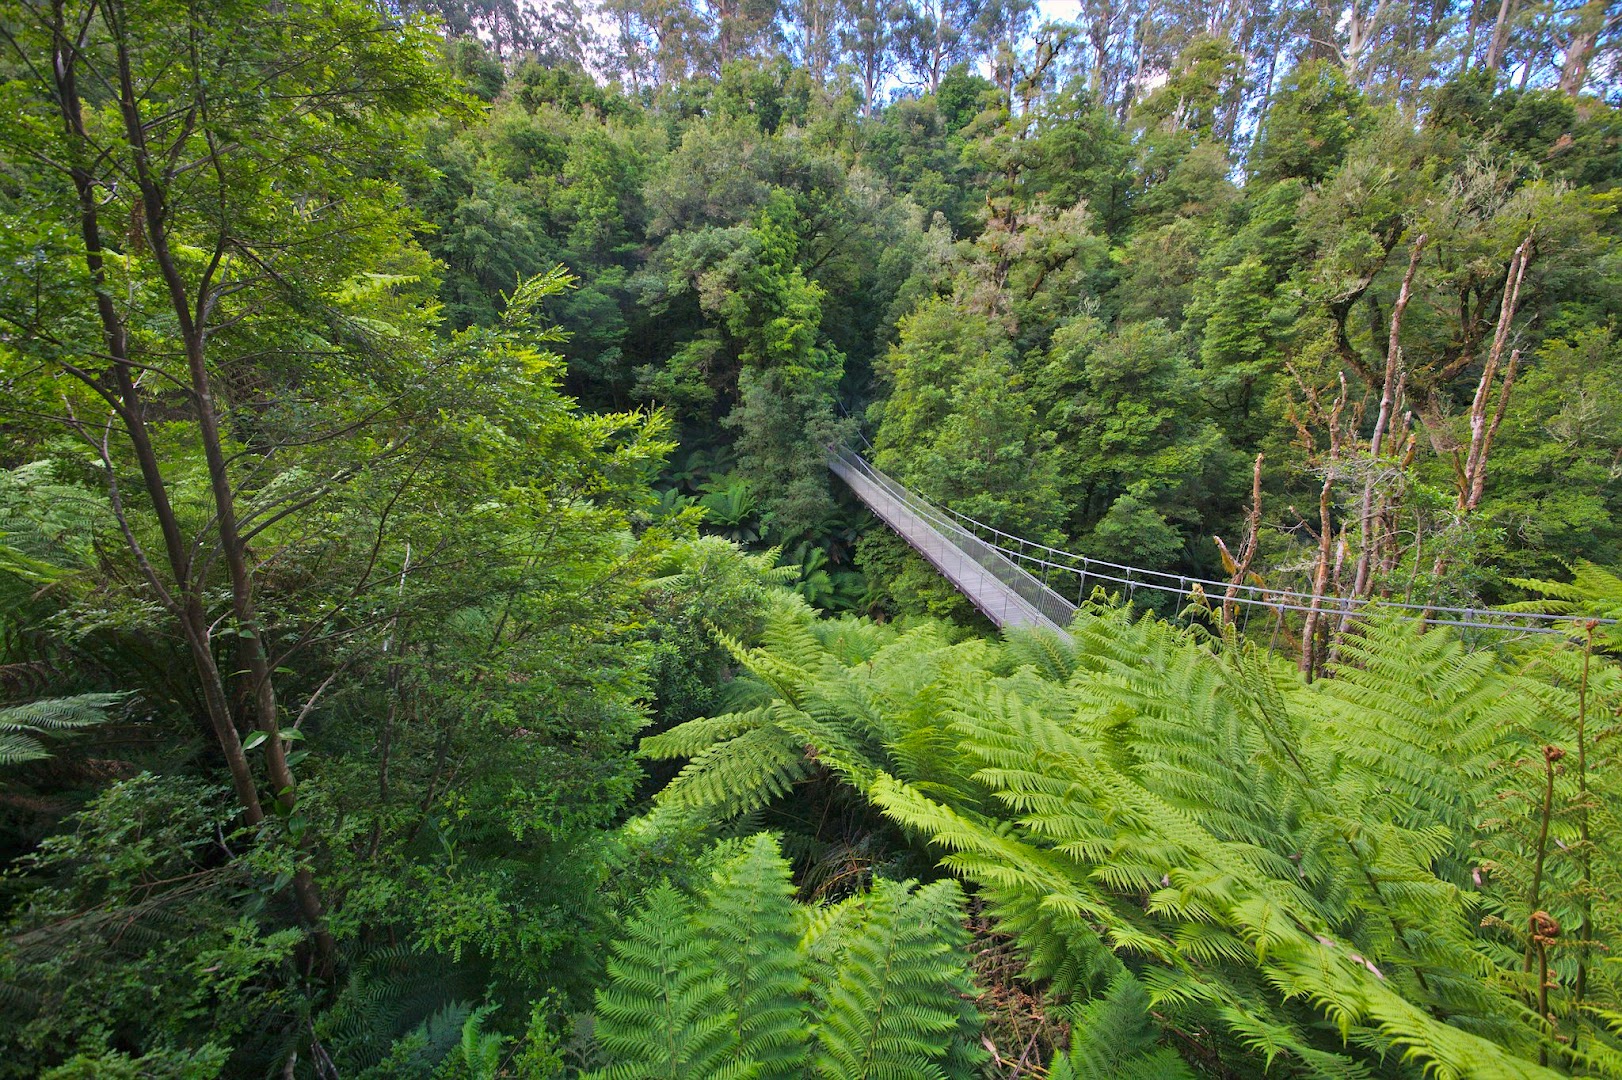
(432, 644)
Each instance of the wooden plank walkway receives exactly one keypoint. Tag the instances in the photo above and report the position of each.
(1003, 591)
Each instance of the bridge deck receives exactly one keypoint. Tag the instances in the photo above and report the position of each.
(1004, 592)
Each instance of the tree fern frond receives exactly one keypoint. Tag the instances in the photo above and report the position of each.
(1049, 655)
(1593, 592)
(748, 916)
(664, 1010)
(1113, 1037)
(16, 748)
(22, 725)
(743, 773)
(723, 983)
(893, 1003)
(60, 714)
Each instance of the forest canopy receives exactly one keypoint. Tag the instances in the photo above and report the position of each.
(433, 643)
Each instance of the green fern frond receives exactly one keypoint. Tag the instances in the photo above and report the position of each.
(1047, 653)
(1593, 591)
(897, 1001)
(725, 983)
(748, 916)
(664, 1011)
(60, 714)
(21, 726)
(746, 772)
(16, 748)
(1113, 1038)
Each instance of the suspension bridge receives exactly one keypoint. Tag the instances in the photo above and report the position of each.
(1019, 583)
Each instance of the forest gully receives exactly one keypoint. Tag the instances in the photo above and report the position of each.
(800, 539)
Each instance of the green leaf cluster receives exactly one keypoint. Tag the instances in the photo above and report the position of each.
(1339, 876)
(737, 980)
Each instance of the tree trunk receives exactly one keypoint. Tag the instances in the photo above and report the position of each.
(182, 600)
(1472, 24)
(185, 601)
(1253, 523)
(1500, 36)
(1580, 51)
(1326, 535)
(1320, 575)
(1388, 402)
(1473, 476)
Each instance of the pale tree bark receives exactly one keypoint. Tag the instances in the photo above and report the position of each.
(1247, 552)
(1472, 24)
(938, 50)
(1390, 390)
(1320, 575)
(1500, 35)
(1324, 561)
(1472, 477)
(1360, 30)
(1591, 22)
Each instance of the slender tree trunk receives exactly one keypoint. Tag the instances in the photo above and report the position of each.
(1526, 70)
(182, 600)
(937, 53)
(1500, 36)
(1320, 576)
(1326, 538)
(1388, 402)
(1473, 477)
(192, 324)
(1472, 24)
(1253, 522)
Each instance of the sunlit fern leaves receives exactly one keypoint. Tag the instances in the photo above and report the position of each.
(1592, 593)
(736, 980)
(895, 999)
(1049, 655)
(737, 763)
(25, 729)
(1423, 722)
(1298, 872)
(664, 1010)
(750, 920)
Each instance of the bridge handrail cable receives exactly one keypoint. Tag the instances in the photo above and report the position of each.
(1266, 592)
(960, 527)
(1049, 604)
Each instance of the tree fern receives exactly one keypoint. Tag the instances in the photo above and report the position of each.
(396, 1013)
(725, 983)
(757, 756)
(24, 727)
(664, 1011)
(1113, 1038)
(480, 1049)
(1295, 871)
(896, 1001)
(749, 919)
(1593, 592)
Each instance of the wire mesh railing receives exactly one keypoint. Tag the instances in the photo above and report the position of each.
(1047, 576)
(998, 586)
